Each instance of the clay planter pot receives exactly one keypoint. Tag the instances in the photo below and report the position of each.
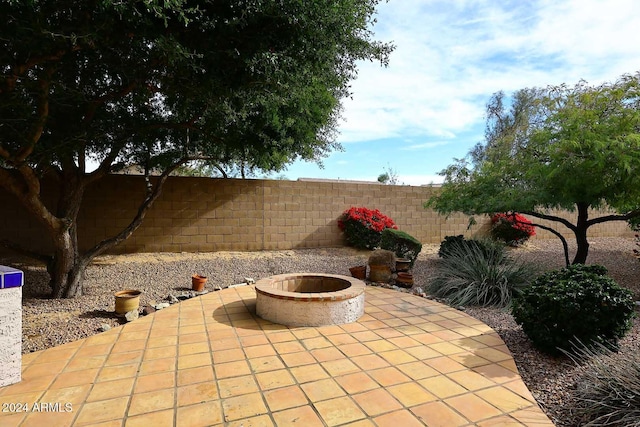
(359, 271)
(404, 280)
(197, 282)
(403, 264)
(379, 273)
(127, 300)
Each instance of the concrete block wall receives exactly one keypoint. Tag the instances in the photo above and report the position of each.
(204, 214)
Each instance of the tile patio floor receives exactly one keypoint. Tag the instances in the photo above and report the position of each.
(209, 361)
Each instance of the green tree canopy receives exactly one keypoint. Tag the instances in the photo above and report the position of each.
(161, 83)
(561, 147)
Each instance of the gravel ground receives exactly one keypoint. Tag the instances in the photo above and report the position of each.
(48, 322)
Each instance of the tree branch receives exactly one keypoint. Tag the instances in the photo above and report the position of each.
(562, 221)
(621, 217)
(24, 251)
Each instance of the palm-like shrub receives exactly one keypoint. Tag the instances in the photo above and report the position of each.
(478, 274)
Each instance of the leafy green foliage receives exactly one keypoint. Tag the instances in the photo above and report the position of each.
(478, 273)
(608, 390)
(402, 244)
(511, 228)
(576, 303)
(573, 148)
(450, 244)
(156, 84)
(363, 227)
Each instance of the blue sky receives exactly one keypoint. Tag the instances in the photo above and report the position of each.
(427, 107)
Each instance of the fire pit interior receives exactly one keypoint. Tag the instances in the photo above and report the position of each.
(308, 299)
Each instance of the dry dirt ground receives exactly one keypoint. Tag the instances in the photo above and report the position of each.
(48, 322)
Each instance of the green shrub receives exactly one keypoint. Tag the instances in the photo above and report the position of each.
(478, 274)
(511, 228)
(363, 227)
(488, 246)
(401, 243)
(575, 303)
(608, 391)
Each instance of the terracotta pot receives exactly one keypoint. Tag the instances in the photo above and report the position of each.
(404, 280)
(379, 273)
(127, 300)
(197, 282)
(359, 271)
(403, 264)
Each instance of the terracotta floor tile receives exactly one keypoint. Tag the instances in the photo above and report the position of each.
(196, 393)
(103, 410)
(191, 329)
(124, 358)
(356, 383)
(70, 379)
(193, 348)
(75, 395)
(193, 338)
(326, 354)
(155, 419)
(232, 369)
(104, 338)
(260, 351)
(111, 389)
(237, 386)
(195, 375)
(128, 346)
(339, 367)
(230, 355)
(200, 415)
(157, 381)
(442, 387)
(56, 354)
(365, 336)
(388, 376)
(305, 374)
(339, 411)
(509, 364)
(330, 330)
(157, 365)
(248, 405)
(370, 361)
(341, 339)
(447, 348)
(352, 327)
(503, 399)
(472, 407)
(361, 423)
(268, 363)
(304, 333)
(397, 357)
(160, 352)
(162, 341)
(493, 355)
(287, 347)
(411, 394)
(46, 419)
(316, 342)
(259, 421)
(14, 419)
(380, 345)
(445, 364)
(490, 339)
(297, 359)
(151, 401)
(130, 335)
(252, 340)
(447, 335)
(376, 402)
(501, 421)
(355, 349)
(281, 336)
(285, 398)
(302, 416)
(402, 418)
(469, 360)
(322, 390)
(469, 344)
(471, 380)
(404, 342)
(519, 388)
(194, 360)
(417, 370)
(496, 373)
(532, 417)
(39, 369)
(274, 379)
(389, 333)
(437, 414)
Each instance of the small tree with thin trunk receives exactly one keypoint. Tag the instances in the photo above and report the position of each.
(572, 148)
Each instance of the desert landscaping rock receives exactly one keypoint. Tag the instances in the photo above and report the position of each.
(50, 322)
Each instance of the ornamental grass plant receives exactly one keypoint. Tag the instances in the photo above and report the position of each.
(479, 275)
(363, 227)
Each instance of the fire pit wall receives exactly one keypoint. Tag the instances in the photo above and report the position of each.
(308, 299)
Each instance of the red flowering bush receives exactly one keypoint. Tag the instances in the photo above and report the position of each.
(512, 228)
(363, 227)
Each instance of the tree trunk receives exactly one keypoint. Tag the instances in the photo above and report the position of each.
(66, 267)
(581, 234)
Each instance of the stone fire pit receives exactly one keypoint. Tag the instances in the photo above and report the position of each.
(310, 299)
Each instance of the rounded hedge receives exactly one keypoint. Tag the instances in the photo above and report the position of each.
(576, 303)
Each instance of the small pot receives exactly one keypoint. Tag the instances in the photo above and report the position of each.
(404, 280)
(197, 282)
(379, 273)
(127, 300)
(359, 271)
(403, 264)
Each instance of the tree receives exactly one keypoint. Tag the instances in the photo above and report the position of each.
(389, 176)
(158, 84)
(573, 148)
